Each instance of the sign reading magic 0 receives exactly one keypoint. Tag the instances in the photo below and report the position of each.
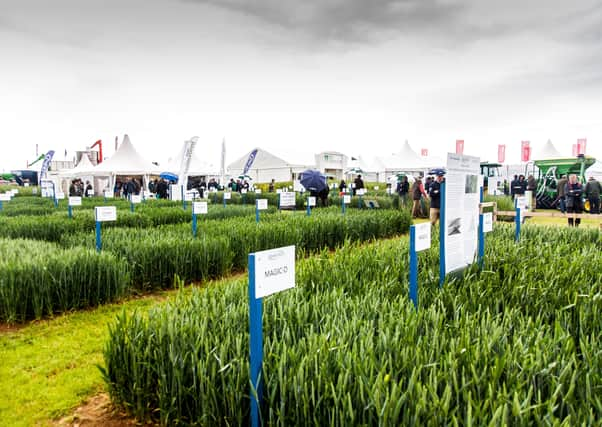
(274, 271)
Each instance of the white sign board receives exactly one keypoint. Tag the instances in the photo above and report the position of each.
(5, 197)
(274, 271)
(311, 200)
(297, 186)
(258, 191)
(262, 204)
(199, 208)
(135, 199)
(60, 196)
(227, 196)
(75, 201)
(346, 199)
(462, 194)
(287, 199)
(361, 191)
(422, 233)
(105, 213)
(14, 191)
(376, 187)
(487, 222)
(243, 191)
(108, 194)
(279, 190)
(189, 196)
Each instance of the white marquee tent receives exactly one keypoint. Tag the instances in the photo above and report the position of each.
(266, 167)
(548, 151)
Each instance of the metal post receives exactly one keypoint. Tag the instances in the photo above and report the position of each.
(517, 221)
(194, 224)
(413, 267)
(98, 241)
(308, 207)
(183, 198)
(256, 212)
(481, 241)
(343, 204)
(442, 227)
(131, 207)
(255, 345)
(70, 212)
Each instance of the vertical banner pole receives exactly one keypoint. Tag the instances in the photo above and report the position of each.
(70, 211)
(413, 267)
(98, 241)
(517, 220)
(255, 345)
(442, 226)
(308, 207)
(194, 224)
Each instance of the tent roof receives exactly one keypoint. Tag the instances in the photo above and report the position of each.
(197, 166)
(405, 159)
(263, 160)
(126, 161)
(83, 168)
(548, 151)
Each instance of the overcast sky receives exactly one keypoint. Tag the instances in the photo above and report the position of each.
(354, 76)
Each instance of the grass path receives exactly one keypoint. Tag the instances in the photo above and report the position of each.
(49, 367)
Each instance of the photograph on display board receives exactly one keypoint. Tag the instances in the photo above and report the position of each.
(472, 184)
(454, 226)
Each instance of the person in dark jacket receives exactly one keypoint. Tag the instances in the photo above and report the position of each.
(561, 195)
(574, 203)
(403, 188)
(162, 188)
(417, 193)
(342, 186)
(359, 183)
(592, 191)
(435, 196)
(513, 185)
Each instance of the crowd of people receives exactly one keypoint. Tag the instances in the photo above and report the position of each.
(77, 188)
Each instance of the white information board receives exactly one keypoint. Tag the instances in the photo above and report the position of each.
(136, 198)
(243, 191)
(5, 197)
(462, 193)
(487, 222)
(105, 213)
(14, 191)
(75, 201)
(189, 196)
(60, 196)
(274, 270)
(262, 204)
(361, 191)
(311, 200)
(227, 196)
(287, 199)
(346, 199)
(258, 191)
(108, 194)
(199, 208)
(423, 236)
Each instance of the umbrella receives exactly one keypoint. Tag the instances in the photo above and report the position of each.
(245, 177)
(437, 171)
(313, 180)
(169, 176)
(354, 170)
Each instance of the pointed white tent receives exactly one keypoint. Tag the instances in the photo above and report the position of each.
(595, 170)
(405, 160)
(83, 168)
(126, 161)
(548, 151)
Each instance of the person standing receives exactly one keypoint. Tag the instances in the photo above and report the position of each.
(592, 191)
(532, 186)
(513, 186)
(342, 187)
(435, 196)
(574, 203)
(561, 193)
(417, 193)
(271, 186)
(403, 188)
(359, 183)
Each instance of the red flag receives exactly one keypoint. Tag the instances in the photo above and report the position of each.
(501, 153)
(575, 150)
(525, 151)
(581, 143)
(459, 146)
(424, 152)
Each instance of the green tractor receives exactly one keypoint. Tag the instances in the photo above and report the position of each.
(549, 173)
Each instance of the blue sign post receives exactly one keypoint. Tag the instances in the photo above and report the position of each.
(442, 227)
(98, 238)
(308, 207)
(183, 198)
(481, 235)
(193, 224)
(275, 272)
(413, 268)
(255, 344)
(70, 211)
(343, 204)
(256, 211)
(517, 220)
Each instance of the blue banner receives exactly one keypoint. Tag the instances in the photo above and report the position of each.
(46, 164)
(250, 161)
